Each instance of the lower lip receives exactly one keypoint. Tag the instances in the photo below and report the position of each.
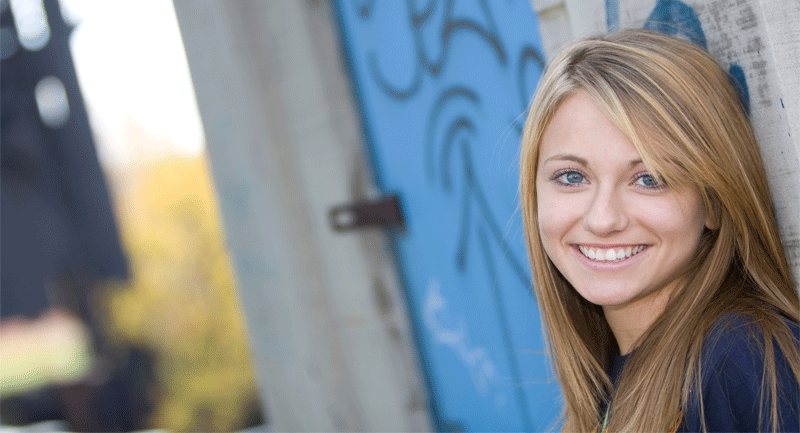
(609, 266)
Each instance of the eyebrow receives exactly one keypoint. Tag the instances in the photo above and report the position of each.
(566, 157)
(581, 161)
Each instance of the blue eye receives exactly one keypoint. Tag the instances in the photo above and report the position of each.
(570, 178)
(649, 181)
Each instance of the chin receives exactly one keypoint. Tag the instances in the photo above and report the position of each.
(605, 301)
(605, 296)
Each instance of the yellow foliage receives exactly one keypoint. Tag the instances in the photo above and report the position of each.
(181, 300)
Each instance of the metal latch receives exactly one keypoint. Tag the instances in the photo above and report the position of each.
(384, 211)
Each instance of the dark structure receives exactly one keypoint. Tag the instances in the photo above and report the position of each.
(59, 237)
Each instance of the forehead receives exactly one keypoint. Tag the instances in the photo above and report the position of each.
(580, 130)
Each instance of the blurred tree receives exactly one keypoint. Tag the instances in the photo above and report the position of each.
(181, 301)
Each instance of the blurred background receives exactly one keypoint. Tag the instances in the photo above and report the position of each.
(119, 306)
(262, 215)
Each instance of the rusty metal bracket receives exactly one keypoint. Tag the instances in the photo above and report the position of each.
(384, 211)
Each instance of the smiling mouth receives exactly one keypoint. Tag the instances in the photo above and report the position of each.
(610, 254)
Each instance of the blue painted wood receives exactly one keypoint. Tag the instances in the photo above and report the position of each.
(442, 87)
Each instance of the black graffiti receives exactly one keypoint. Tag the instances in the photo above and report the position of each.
(529, 55)
(459, 129)
(389, 88)
(364, 8)
(449, 96)
(449, 26)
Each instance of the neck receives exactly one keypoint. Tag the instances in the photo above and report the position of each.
(630, 321)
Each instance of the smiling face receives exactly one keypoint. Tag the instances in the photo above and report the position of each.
(619, 237)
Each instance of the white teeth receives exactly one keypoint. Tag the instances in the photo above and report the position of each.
(610, 255)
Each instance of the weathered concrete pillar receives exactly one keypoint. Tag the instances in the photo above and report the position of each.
(328, 327)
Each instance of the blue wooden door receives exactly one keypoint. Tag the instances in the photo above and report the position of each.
(442, 88)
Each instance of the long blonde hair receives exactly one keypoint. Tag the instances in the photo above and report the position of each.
(678, 108)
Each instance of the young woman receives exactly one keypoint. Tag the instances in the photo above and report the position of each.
(663, 286)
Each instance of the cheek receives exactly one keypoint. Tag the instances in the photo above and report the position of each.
(681, 219)
(553, 217)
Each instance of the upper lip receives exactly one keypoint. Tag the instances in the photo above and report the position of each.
(605, 247)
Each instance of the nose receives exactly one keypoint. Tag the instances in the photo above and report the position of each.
(607, 213)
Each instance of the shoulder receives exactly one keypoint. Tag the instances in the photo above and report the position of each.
(738, 339)
(731, 377)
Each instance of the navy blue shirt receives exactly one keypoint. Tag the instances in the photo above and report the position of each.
(732, 368)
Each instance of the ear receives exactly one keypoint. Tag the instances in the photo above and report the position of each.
(713, 212)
